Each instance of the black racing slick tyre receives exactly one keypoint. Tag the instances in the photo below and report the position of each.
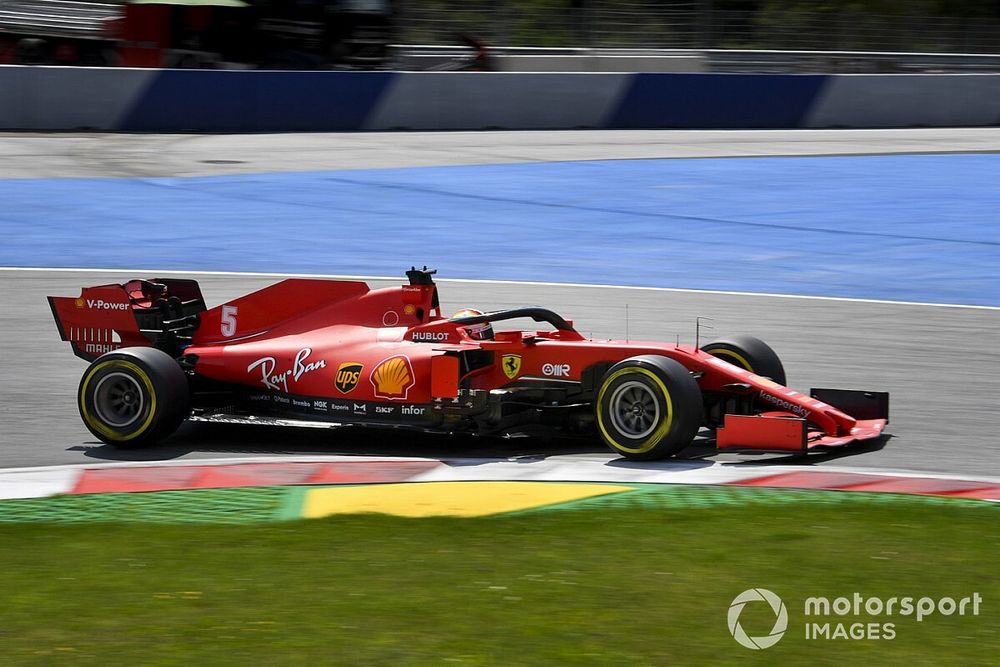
(648, 407)
(749, 353)
(133, 397)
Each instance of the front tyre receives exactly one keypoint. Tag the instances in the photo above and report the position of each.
(750, 354)
(648, 407)
(133, 397)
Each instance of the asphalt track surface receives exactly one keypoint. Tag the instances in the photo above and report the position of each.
(941, 364)
(79, 155)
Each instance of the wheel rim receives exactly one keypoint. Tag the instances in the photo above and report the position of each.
(635, 412)
(118, 400)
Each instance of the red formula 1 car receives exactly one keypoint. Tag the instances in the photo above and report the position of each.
(339, 352)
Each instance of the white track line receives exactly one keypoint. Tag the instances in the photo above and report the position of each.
(587, 460)
(252, 274)
(18, 483)
(181, 463)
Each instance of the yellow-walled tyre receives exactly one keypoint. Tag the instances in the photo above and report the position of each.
(648, 407)
(133, 397)
(750, 354)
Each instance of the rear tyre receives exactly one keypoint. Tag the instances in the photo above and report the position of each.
(648, 407)
(750, 354)
(133, 397)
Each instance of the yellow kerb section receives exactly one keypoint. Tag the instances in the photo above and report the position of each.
(447, 498)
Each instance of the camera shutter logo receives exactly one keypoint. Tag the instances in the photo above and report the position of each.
(780, 622)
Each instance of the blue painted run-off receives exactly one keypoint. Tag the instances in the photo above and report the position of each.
(920, 228)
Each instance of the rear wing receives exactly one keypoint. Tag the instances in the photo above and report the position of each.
(161, 312)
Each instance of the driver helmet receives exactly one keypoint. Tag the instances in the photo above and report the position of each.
(483, 331)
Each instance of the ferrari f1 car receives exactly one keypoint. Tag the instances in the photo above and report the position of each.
(311, 350)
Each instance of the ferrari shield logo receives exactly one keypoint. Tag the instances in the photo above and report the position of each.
(511, 365)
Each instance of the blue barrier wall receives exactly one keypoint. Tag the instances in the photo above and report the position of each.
(247, 101)
(717, 101)
(56, 98)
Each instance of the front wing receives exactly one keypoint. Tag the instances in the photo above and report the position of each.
(786, 432)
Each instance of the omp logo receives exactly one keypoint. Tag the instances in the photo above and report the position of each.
(101, 304)
(392, 378)
(348, 374)
(556, 370)
(780, 622)
(511, 365)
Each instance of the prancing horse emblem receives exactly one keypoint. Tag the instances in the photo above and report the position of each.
(511, 365)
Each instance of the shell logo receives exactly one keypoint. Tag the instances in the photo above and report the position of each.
(392, 378)
(79, 302)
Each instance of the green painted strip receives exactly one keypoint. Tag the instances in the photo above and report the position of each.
(646, 496)
(294, 501)
(217, 506)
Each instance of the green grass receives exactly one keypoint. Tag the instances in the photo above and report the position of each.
(612, 585)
